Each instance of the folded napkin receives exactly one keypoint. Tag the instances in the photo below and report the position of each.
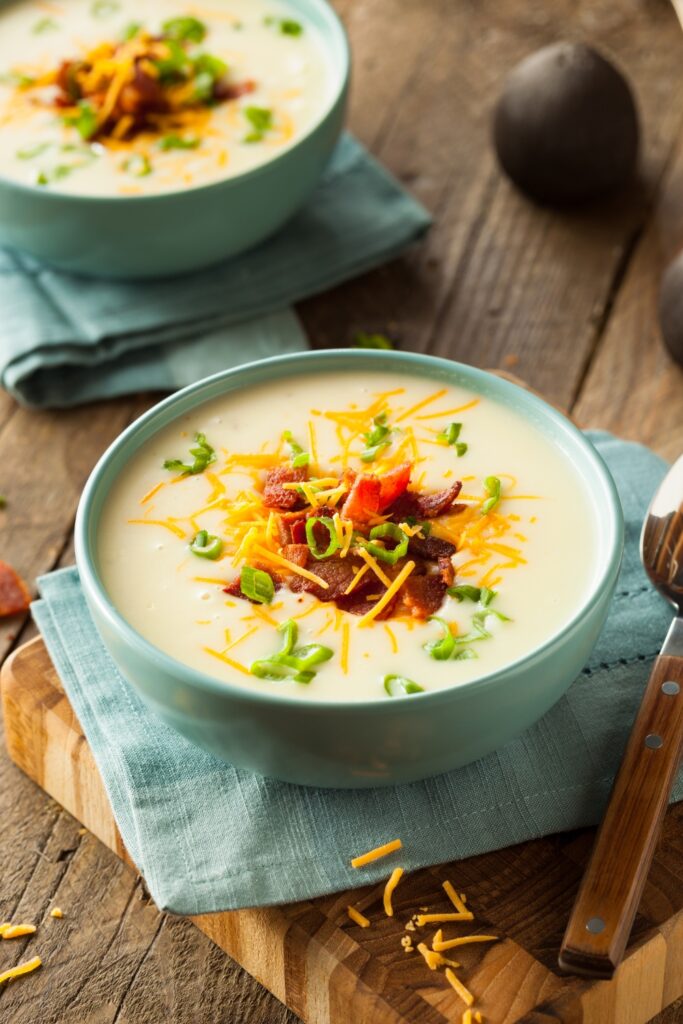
(66, 339)
(209, 837)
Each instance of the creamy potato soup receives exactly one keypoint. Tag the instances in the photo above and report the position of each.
(348, 537)
(131, 97)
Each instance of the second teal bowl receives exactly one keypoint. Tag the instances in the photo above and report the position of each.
(378, 742)
(173, 233)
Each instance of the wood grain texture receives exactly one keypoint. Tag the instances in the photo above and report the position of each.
(611, 889)
(328, 970)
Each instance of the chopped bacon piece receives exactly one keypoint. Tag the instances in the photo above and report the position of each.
(424, 506)
(446, 569)
(277, 496)
(298, 531)
(423, 595)
(14, 594)
(225, 90)
(393, 484)
(337, 572)
(363, 499)
(430, 547)
(297, 553)
(357, 603)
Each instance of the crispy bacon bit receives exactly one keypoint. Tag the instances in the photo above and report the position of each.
(225, 90)
(357, 603)
(423, 595)
(430, 547)
(297, 553)
(446, 569)
(14, 594)
(363, 499)
(277, 496)
(393, 484)
(424, 506)
(337, 572)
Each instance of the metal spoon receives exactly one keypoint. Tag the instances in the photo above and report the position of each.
(601, 919)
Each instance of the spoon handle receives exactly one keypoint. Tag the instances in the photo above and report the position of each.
(601, 919)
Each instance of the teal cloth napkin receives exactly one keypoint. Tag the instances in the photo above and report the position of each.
(209, 837)
(66, 339)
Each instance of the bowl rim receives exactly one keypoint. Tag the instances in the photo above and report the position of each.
(609, 555)
(340, 41)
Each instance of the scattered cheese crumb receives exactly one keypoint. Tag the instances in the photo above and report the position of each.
(407, 944)
(464, 940)
(410, 925)
(379, 851)
(82, 831)
(16, 931)
(359, 918)
(456, 983)
(25, 968)
(56, 912)
(394, 879)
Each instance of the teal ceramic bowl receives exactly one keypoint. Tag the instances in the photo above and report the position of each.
(176, 232)
(360, 744)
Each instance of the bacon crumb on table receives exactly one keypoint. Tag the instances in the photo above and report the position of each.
(14, 594)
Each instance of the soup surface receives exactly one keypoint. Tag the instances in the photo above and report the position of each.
(128, 97)
(348, 537)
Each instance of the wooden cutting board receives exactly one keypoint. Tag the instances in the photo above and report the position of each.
(330, 971)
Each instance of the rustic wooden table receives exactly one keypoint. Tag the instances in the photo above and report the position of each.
(566, 301)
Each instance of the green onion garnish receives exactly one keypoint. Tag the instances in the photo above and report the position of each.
(486, 595)
(131, 30)
(208, 70)
(203, 454)
(206, 545)
(58, 172)
(333, 544)
(138, 165)
(34, 151)
(449, 435)
(442, 649)
(261, 120)
(184, 29)
(399, 686)
(492, 487)
(44, 25)
(85, 121)
(389, 555)
(104, 8)
(289, 27)
(464, 592)
(167, 142)
(466, 654)
(257, 585)
(297, 663)
(376, 439)
(299, 456)
(363, 340)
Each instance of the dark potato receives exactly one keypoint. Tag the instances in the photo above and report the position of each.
(566, 127)
(671, 308)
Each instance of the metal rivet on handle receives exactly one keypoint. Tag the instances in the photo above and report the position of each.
(653, 741)
(670, 688)
(595, 925)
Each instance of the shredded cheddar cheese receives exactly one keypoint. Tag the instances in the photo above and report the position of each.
(372, 564)
(228, 661)
(280, 560)
(389, 888)
(25, 968)
(463, 992)
(344, 655)
(433, 959)
(379, 851)
(456, 900)
(432, 918)
(357, 917)
(17, 931)
(388, 594)
(442, 945)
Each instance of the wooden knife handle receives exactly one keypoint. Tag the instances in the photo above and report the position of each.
(601, 919)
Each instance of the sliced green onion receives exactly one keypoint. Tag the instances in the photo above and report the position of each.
(33, 151)
(391, 556)
(464, 592)
(184, 29)
(85, 121)
(256, 584)
(486, 596)
(206, 545)
(333, 544)
(104, 8)
(139, 165)
(261, 121)
(399, 686)
(203, 454)
(131, 30)
(377, 341)
(449, 435)
(178, 142)
(208, 70)
(442, 649)
(492, 487)
(297, 663)
(376, 439)
(299, 456)
(44, 25)
(466, 654)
